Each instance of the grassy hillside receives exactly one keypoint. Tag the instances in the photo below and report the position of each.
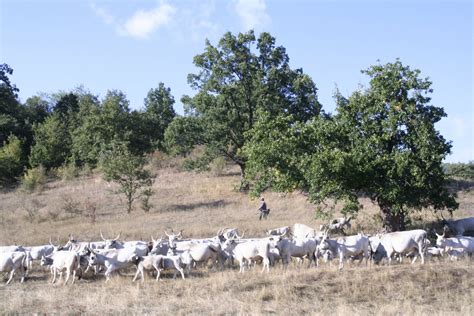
(200, 204)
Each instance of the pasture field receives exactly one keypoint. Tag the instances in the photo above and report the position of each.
(201, 204)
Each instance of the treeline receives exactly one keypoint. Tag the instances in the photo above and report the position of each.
(253, 109)
(76, 128)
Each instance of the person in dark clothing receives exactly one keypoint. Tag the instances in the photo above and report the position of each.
(264, 211)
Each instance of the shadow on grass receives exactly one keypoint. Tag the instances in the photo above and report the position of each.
(192, 206)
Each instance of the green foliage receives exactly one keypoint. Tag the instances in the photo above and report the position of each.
(101, 124)
(14, 118)
(159, 113)
(183, 134)
(239, 79)
(381, 143)
(127, 170)
(87, 138)
(464, 171)
(11, 164)
(52, 143)
(34, 179)
(68, 171)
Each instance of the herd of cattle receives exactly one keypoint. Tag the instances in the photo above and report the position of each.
(174, 252)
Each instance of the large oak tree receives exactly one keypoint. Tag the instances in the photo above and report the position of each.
(381, 143)
(237, 80)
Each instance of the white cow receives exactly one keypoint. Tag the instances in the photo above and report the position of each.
(281, 231)
(403, 242)
(345, 247)
(303, 231)
(299, 248)
(112, 259)
(464, 242)
(37, 252)
(11, 248)
(60, 261)
(337, 224)
(13, 261)
(455, 254)
(159, 263)
(248, 251)
(81, 246)
(460, 226)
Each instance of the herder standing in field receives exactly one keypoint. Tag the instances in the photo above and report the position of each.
(263, 210)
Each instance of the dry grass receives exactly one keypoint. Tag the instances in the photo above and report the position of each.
(201, 204)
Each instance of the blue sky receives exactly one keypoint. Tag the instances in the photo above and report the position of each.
(133, 45)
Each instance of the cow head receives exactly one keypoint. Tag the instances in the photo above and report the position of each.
(441, 240)
(172, 238)
(111, 243)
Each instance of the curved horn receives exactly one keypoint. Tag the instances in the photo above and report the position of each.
(166, 234)
(179, 234)
(50, 241)
(152, 239)
(102, 236)
(118, 236)
(240, 237)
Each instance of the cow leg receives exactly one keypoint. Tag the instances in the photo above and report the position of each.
(266, 264)
(180, 271)
(136, 275)
(341, 260)
(54, 276)
(158, 271)
(68, 273)
(12, 273)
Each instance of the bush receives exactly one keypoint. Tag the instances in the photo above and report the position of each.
(10, 161)
(34, 179)
(67, 172)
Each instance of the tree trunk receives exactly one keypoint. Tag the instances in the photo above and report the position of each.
(391, 221)
(244, 185)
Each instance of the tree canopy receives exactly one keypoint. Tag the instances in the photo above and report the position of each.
(381, 143)
(237, 80)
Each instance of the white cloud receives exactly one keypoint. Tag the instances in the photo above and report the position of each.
(252, 13)
(103, 14)
(143, 23)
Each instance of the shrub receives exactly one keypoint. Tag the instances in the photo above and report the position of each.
(34, 179)
(10, 161)
(67, 171)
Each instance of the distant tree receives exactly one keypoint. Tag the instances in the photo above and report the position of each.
(37, 109)
(12, 114)
(182, 134)
(52, 143)
(158, 114)
(237, 80)
(99, 124)
(127, 170)
(88, 138)
(67, 105)
(460, 170)
(381, 143)
(11, 164)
